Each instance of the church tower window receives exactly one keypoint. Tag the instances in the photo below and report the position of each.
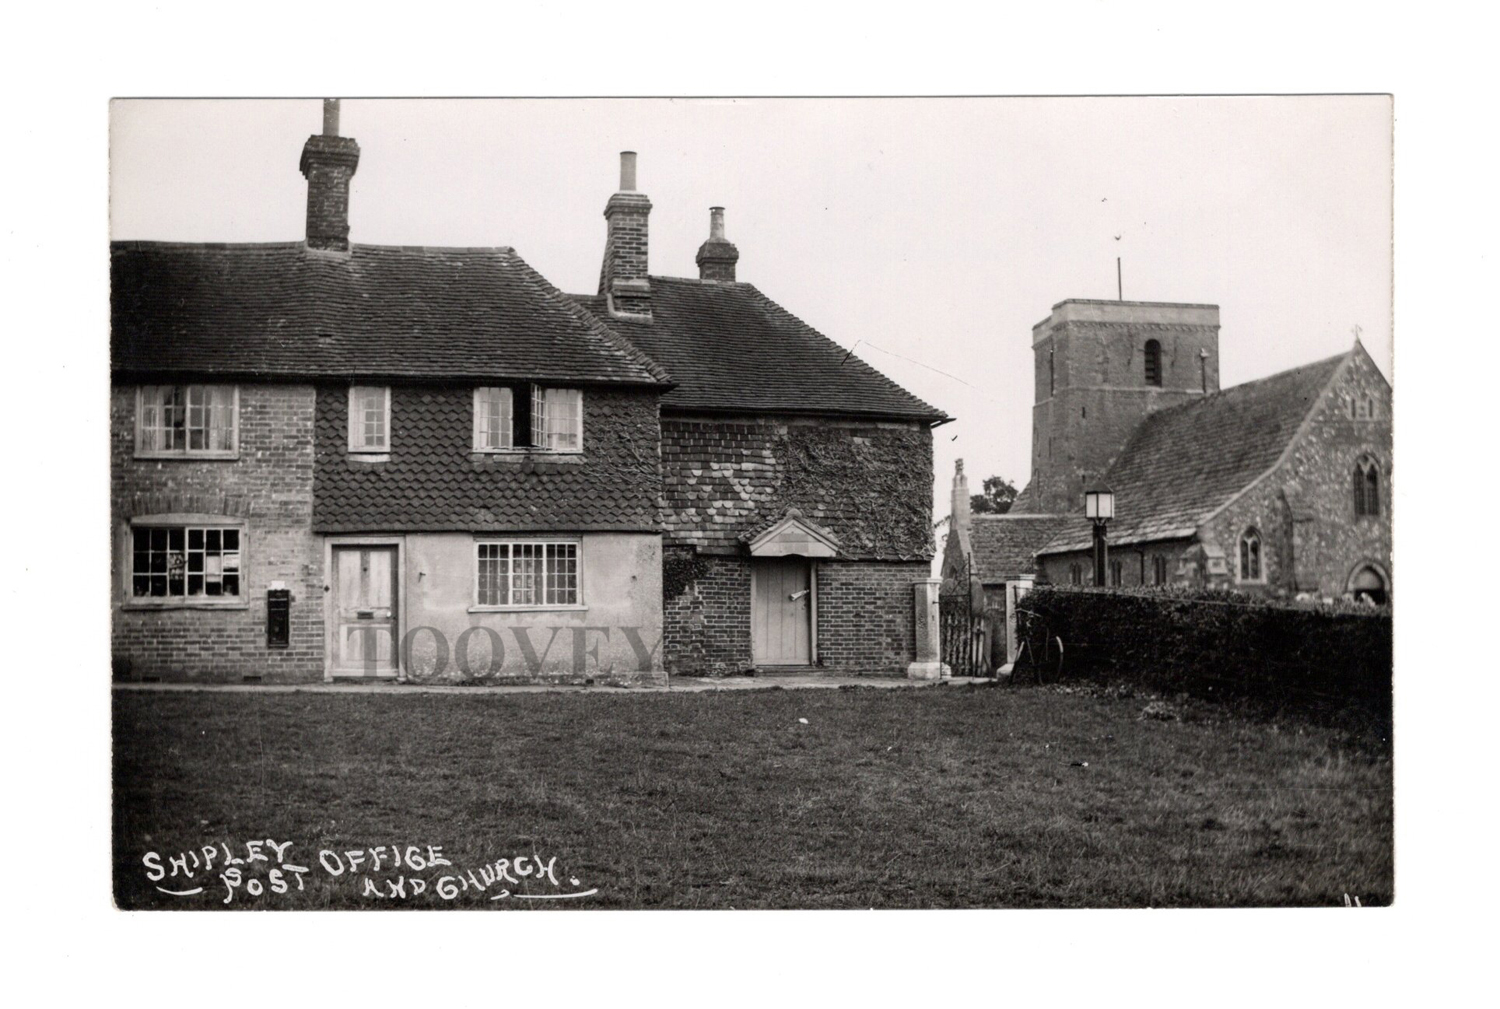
(1153, 362)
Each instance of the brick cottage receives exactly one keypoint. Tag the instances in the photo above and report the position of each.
(332, 460)
(1279, 486)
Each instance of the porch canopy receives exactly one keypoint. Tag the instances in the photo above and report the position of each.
(794, 536)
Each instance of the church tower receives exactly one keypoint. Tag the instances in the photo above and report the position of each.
(1101, 367)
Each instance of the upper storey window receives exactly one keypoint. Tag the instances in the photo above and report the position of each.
(548, 419)
(369, 418)
(1153, 362)
(494, 419)
(187, 420)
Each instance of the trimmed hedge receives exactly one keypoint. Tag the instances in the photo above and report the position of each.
(1330, 663)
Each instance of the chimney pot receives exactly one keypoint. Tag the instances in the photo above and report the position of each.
(717, 256)
(330, 117)
(627, 171)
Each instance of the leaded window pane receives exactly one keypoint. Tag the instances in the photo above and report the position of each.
(185, 561)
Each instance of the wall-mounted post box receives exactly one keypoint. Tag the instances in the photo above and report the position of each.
(278, 616)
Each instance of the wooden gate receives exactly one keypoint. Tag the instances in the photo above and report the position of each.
(961, 628)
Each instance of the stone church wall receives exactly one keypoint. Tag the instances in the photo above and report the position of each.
(1305, 510)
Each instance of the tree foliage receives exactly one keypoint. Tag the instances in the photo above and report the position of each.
(999, 494)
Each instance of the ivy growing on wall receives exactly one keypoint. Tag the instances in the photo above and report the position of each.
(875, 488)
(679, 570)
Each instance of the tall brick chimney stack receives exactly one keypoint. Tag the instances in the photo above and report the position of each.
(717, 256)
(623, 278)
(328, 163)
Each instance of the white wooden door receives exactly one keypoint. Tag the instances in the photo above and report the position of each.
(365, 610)
(781, 611)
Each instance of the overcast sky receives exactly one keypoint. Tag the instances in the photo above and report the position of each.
(932, 233)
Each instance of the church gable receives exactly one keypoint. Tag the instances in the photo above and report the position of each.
(1324, 511)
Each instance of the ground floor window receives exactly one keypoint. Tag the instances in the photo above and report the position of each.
(1075, 574)
(1158, 570)
(1116, 573)
(527, 573)
(185, 562)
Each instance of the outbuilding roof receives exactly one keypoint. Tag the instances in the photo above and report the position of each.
(280, 310)
(1005, 546)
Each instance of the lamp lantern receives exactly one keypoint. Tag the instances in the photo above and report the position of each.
(1099, 504)
(1099, 507)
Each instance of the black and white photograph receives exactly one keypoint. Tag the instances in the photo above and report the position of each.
(757, 516)
(791, 504)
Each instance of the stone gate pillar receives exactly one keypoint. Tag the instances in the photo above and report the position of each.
(928, 663)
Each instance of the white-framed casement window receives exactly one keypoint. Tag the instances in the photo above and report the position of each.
(503, 422)
(557, 419)
(1251, 568)
(527, 574)
(494, 419)
(369, 418)
(186, 563)
(180, 421)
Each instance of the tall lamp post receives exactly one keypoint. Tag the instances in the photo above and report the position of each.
(1099, 506)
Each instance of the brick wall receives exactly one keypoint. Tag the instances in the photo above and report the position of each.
(866, 615)
(869, 484)
(864, 612)
(269, 489)
(706, 615)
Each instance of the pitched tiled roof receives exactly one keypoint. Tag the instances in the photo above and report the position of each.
(730, 348)
(379, 311)
(1023, 502)
(1184, 462)
(1005, 545)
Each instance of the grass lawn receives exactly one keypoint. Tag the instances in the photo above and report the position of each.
(943, 797)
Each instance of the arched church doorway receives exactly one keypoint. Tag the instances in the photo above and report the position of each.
(1370, 581)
